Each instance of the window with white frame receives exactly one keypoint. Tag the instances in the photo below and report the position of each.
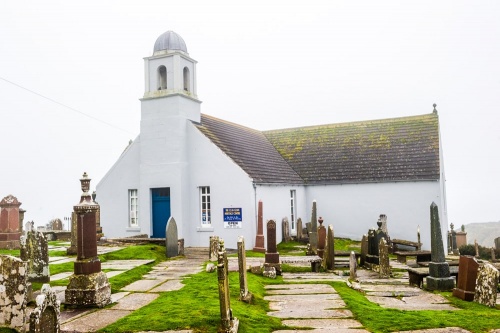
(133, 203)
(205, 209)
(293, 209)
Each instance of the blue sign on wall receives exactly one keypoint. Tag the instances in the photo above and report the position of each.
(232, 215)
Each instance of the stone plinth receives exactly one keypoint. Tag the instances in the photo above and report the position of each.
(10, 223)
(88, 286)
(467, 274)
(259, 238)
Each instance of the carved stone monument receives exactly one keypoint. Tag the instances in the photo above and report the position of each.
(467, 274)
(88, 286)
(272, 257)
(229, 324)
(384, 267)
(321, 237)
(439, 272)
(285, 230)
(72, 248)
(171, 238)
(259, 238)
(46, 317)
(214, 248)
(329, 255)
(35, 251)
(353, 263)
(245, 295)
(11, 223)
(313, 234)
(299, 229)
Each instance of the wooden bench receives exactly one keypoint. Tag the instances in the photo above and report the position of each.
(420, 255)
(396, 242)
(416, 275)
(315, 261)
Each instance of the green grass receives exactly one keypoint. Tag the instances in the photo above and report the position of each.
(196, 306)
(14, 253)
(472, 316)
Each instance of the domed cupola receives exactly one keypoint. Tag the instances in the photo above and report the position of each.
(169, 41)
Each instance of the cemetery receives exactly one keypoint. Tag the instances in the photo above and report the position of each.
(315, 283)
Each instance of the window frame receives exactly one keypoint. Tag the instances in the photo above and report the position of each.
(133, 209)
(205, 206)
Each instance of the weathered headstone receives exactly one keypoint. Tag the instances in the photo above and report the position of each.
(13, 292)
(476, 247)
(419, 246)
(372, 256)
(98, 226)
(313, 234)
(321, 237)
(272, 257)
(439, 272)
(299, 229)
(245, 295)
(171, 238)
(493, 255)
(180, 246)
(497, 243)
(486, 285)
(364, 250)
(10, 222)
(89, 285)
(74, 238)
(353, 263)
(384, 267)
(229, 324)
(213, 248)
(467, 275)
(259, 238)
(383, 227)
(285, 230)
(329, 254)
(35, 251)
(45, 318)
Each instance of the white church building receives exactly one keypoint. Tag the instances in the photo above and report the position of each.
(209, 174)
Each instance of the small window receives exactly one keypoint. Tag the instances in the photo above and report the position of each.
(186, 78)
(162, 78)
(133, 200)
(293, 208)
(205, 207)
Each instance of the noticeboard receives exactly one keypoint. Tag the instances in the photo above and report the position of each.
(232, 217)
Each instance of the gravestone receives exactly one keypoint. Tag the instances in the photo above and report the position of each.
(245, 295)
(180, 246)
(285, 230)
(272, 257)
(74, 238)
(467, 275)
(299, 229)
(329, 254)
(493, 255)
(383, 219)
(384, 267)
(439, 272)
(372, 255)
(10, 222)
(229, 324)
(259, 238)
(476, 247)
(46, 317)
(353, 263)
(486, 285)
(213, 248)
(89, 285)
(13, 292)
(321, 237)
(313, 234)
(364, 250)
(419, 243)
(35, 251)
(171, 238)
(98, 226)
(497, 243)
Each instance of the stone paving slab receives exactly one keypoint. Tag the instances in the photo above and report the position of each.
(123, 265)
(323, 323)
(117, 296)
(111, 274)
(311, 277)
(134, 301)
(170, 285)
(60, 276)
(326, 330)
(142, 285)
(425, 301)
(314, 298)
(295, 289)
(297, 311)
(94, 321)
(439, 330)
(53, 259)
(63, 261)
(183, 331)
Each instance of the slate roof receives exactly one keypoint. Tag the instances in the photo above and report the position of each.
(387, 150)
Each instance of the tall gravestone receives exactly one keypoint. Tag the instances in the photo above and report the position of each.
(88, 286)
(13, 292)
(272, 257)
(364, 250)
(285, 230)
(467, 274)
(299, 229)
(353, 266)
(46, 317)
(313, 234)
(476, 248)
(439, 272)
(229, 324)
(10, 222)
(329, 255)
(383, 219)
(35, 251)
(321, 237)
(497, 243)
(214, 248)
(384, 267)
(245, 295)
(486, 285)
(171, 238)
(372, 256)
(72, 248)
(259, 238)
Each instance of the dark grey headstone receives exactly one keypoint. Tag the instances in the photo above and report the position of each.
(171, 238)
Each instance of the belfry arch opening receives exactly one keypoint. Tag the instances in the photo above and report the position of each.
(186, 78)
(162, 78)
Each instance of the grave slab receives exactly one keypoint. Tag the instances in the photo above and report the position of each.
(295, 289)
(170, 285)
(325, 330)
(94, 321)
(142, 285)
(323, 323)
(134, 301)
(297, 311)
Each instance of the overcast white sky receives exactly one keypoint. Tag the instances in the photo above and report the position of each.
(262, 64)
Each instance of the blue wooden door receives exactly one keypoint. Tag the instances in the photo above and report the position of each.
(161, 210)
